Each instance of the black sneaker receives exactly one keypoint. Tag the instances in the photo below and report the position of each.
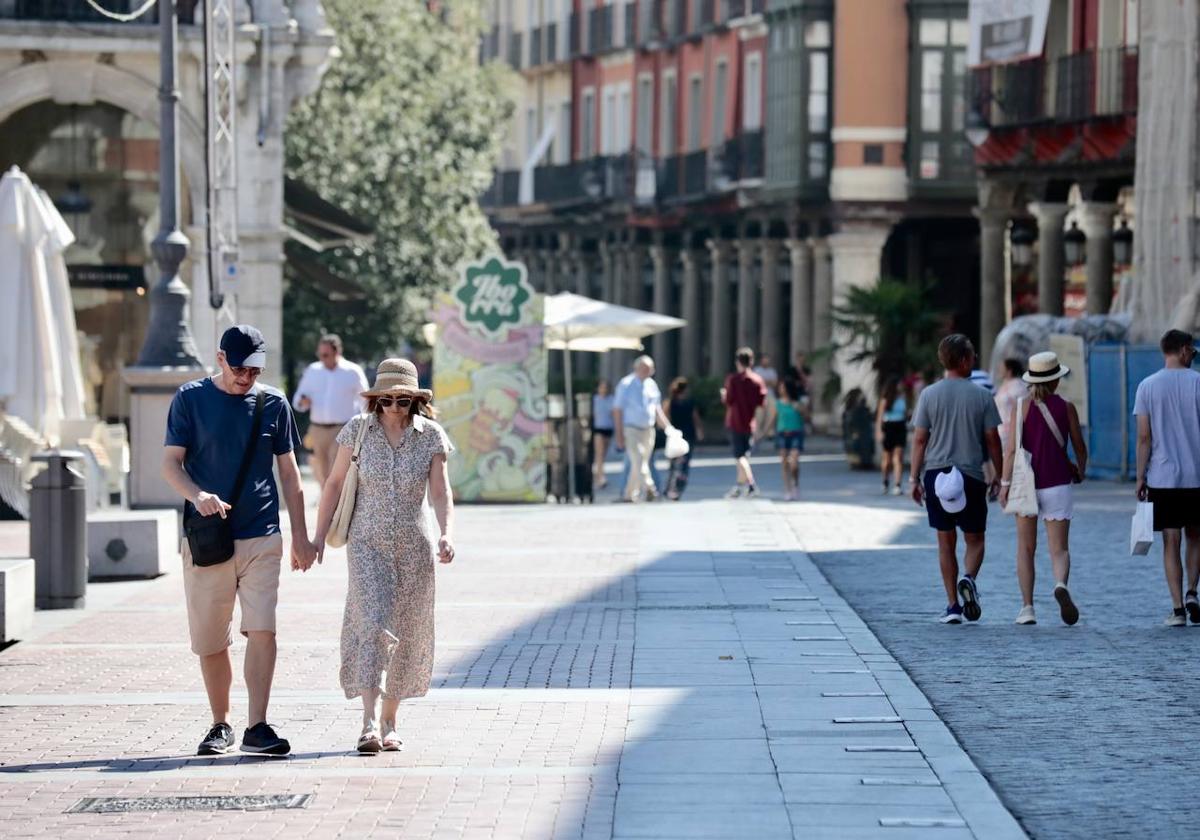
(969, 595)
(261, 738)
(218, 741)
(1192, 605)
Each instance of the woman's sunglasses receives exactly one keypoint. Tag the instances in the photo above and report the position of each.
(388, 402)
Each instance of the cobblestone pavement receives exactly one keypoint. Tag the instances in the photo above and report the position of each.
(670, 670)
(1084, 731)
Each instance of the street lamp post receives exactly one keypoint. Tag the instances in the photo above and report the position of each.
(169, 342)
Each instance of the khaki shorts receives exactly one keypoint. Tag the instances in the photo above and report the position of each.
(252, 575)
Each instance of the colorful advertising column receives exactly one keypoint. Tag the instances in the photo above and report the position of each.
(489, 377)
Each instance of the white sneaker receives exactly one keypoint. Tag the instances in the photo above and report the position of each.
(1176, 619)
(896, 491)
(1026, 616)
(886, 489)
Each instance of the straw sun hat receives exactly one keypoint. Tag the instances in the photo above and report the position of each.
(1044, 367)
(397, 377)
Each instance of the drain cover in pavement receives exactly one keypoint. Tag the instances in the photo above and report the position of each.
(137, 804)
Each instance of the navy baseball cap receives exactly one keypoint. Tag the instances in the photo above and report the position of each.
(244, 346)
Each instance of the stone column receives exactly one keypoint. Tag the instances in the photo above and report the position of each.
(857, 255)
(993, 226)
(720, 319)
(660, 344)
(1051, 260)
(770, 322)
(1097, 224)
(747, 297)
(584, 266)
(822, 320)
(690, 335)
(635, 277)
(801, 315)
(610, 263)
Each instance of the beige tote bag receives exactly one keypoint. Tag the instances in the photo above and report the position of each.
(339, 529)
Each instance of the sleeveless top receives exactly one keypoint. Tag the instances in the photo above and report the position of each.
(898, 413)
(1051, 466)
(682, 415)
(788, 417)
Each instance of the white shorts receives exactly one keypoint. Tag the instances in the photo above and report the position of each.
(1057, 503)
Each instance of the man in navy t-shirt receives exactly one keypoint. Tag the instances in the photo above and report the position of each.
(208, 430)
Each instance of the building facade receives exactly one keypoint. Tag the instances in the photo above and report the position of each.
(79, 112)
(741, 164)
(1056, 135)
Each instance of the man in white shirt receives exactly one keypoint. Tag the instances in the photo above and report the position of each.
(1167, 406)
(637, 409)
(331, 391)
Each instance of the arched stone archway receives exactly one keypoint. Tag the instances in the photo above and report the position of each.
(86, 82)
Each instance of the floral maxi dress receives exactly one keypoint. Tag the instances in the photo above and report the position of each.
(388, 623)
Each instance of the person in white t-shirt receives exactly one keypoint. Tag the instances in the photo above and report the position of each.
(330, 392)
(1167, 406)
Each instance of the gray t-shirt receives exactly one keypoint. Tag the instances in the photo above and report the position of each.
(1171, 399)
(957, 413)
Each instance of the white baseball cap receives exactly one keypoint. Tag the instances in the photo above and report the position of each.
(950, 492)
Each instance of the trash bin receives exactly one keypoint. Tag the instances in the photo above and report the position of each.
(58, 531)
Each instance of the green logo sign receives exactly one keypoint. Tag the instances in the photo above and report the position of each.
(493, 293)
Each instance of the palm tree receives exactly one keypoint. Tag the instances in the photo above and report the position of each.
(891, 324)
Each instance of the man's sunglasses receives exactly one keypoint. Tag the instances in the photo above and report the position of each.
(252, 372)
(388, 402)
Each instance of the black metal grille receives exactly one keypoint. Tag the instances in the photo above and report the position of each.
(79, 11)
(142, 804)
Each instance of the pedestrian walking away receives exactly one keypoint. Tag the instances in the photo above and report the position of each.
(637, 409)
(1046, 422)
(743, 395)
(682, 413)
(1167, 405)
(954, 430)
(791, 415)
(387, 626)
(329, 391)
(891, 432)
(602, 431)
(770, 377)
(224, 436)
(1012, 388)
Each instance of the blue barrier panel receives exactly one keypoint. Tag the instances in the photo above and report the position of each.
(1114, 372)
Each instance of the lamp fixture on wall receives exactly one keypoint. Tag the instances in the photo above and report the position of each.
(1123, 244)
(1020, 240)
(1075, 245)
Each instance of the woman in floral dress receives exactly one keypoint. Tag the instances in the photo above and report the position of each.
(387, 630)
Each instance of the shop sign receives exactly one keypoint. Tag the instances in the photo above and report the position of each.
(1006, 30)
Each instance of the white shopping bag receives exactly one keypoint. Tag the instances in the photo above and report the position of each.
(676, 446)
(1141, 529)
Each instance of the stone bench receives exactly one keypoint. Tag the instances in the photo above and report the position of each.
(16, 598)
(131, 543)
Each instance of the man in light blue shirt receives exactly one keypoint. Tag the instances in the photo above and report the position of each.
(637, 408)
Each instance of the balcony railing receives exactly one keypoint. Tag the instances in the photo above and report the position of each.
(80, 11)
(1072, 88)
(597, 179)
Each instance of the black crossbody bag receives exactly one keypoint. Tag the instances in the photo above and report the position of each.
(210, 538)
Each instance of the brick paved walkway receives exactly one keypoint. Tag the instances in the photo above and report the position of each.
(1085, 731)
(610, 671)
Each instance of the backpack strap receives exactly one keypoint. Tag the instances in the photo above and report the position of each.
(1049, 418)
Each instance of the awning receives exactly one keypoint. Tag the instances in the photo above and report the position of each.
(307, 270)
(316, 223)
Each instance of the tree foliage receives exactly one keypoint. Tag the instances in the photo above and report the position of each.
(892, 325)
(402, 133)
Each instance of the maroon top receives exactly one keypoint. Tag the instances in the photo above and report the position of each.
(1051, 466)
(744, 393)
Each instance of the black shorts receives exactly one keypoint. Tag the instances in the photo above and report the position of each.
(895, 435)
(1176, 508)
(971, 520)
(741, 444)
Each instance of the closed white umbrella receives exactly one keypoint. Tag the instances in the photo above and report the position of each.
(575, 322)
(41, 381)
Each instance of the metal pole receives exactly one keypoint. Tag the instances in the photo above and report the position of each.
(169, 340)
(570, 423)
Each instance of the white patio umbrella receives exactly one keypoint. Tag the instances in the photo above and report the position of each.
(575, 322)
(41, 381)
